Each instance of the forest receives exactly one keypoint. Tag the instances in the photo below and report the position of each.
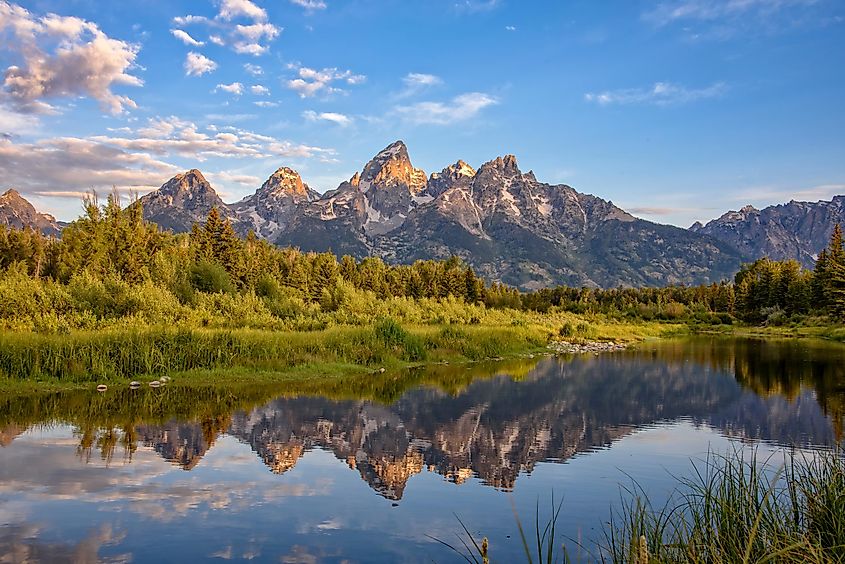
(111, 267)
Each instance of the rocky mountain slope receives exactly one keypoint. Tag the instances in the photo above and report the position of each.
(797, 230)
(505, 223)
(16, 211)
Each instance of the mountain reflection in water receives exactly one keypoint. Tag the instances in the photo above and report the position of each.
(468, 423)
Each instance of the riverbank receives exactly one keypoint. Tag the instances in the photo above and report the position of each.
(32, 362)
(79, 359)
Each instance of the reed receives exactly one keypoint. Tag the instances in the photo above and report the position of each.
(736, 508)
(81, 357)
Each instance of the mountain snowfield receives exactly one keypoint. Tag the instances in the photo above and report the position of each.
(504, 222)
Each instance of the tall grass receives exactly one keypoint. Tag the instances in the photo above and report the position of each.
(736, 508)
(91, 356)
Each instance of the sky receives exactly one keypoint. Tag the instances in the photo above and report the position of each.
(675, 110)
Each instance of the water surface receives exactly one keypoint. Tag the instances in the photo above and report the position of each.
(376, 472)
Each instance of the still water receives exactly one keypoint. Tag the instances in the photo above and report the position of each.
(377, 472)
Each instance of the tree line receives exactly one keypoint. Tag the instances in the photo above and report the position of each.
(110, 242)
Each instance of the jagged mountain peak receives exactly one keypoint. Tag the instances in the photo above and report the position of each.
(188, 181)
(284, 181)
(11, 194)
(506, 165)
(396, 150)
(17, 211)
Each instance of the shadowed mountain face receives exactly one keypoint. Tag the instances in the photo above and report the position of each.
(797, 230)
(497, 427)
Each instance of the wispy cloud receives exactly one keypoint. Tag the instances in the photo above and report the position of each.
(310, 5)
(339, 119)
(197, 64)
(659, 94)
(254, 70)
(311, 82)
(417, 82)
(259, 90)
(458, 109)
(473, 6)
(778, 194)
(57, 56)
(724, 19)
(666, 13)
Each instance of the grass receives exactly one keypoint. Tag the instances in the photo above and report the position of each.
(736, 508)
(85, 357)
(33, 361)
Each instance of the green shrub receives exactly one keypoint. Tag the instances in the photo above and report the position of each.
(211, 278)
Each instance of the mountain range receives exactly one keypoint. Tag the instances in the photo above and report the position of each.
(505, 223)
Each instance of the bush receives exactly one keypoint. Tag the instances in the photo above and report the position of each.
(211, 278)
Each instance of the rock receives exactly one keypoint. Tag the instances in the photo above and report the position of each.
(155, 384)
(595, 347)
(134, 385)
(102, 388)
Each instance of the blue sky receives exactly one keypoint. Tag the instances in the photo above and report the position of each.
(677, 110)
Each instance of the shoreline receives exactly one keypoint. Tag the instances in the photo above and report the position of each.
(83, 360)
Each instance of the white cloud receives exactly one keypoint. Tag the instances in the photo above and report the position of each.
(173, 135)
(257, 31)
(259, 90)
(135, 158)
(310, 4)
(266, 104)
(312, 82)
(189, 19)
(251, 38)
(660, 94)
(510, 28)
(250, 48)
(254, 70)
(339, 119)
(231, 9)
(197, 64)
(186, 38)
(59, 56)
(459, 108)
(69, 164)
(235, 88)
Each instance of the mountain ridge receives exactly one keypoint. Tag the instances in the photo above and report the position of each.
(505, 223)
